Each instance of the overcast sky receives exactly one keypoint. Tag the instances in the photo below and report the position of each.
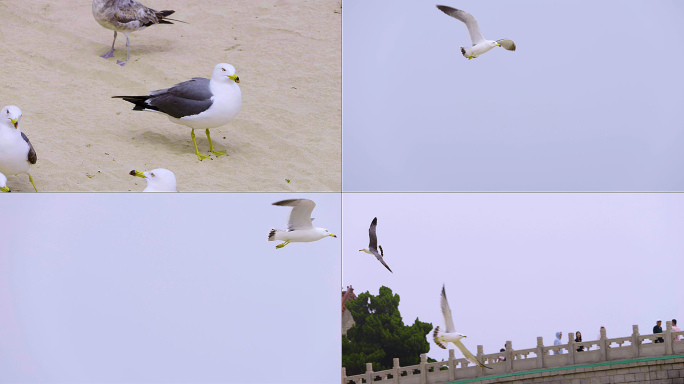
(166, 288)
(519, 266)
(590, 101)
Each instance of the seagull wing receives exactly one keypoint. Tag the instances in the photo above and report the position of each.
(373, 245)
(380, 259)
(446, 312)
(300, 217)
(469, 356)
(507, 43)
(470, 22)
(130, 10)
(32, 157)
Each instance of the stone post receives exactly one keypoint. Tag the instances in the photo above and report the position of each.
(571, 349)
(603, 345)
(509, 356)
(480, 354)
(395, 371)
(344, 375)
(635, 341)
(540, 352)
(369, 372)
(452, 365)
(668, 338)
(423, 369)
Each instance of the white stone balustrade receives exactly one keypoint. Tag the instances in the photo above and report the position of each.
(595, 351)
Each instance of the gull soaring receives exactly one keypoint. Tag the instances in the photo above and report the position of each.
(373, 245)
(299, 227)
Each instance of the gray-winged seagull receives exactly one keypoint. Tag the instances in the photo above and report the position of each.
(158, 180)
(451, 336)
(299, 227)
(198, 103)
(126, 16)
(16, 152)
(373, 245)
(480, 45)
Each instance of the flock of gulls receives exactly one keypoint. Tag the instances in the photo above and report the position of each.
(198, 103)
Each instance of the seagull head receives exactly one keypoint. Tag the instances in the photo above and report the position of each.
(158, 180)
(11, 114)
(326, 233)
(3, 183)
(365, 250)
(225, 72)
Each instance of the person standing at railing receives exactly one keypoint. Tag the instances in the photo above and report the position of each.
(558, 341)
(658, 329)
(578, 339)
(675, 328)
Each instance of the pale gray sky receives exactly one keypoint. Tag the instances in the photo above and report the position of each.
(172, 288)
(590, 101)
(518, 266)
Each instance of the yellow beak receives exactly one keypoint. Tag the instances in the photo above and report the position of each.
(137, 173)
(15, 122)
(235, 78)
(332, 235)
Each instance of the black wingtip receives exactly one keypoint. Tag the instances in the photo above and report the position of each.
(375, 221)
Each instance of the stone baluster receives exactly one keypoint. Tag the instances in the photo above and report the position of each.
(603, 345)
(635, 341)
(395, 370)
(344, 375)
(571, 348)
(540, 352)
(668, 338)
(452, 365)
(509, 356)
(423, 369)
(369, 372)
(480, 355)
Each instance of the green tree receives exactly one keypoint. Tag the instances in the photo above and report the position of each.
(379, 334)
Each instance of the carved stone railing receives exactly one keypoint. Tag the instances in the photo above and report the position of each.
(595, 351)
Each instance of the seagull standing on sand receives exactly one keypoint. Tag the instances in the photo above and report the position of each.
(3, 183)
(198, 103)
(373, 245)
(451, 335)
(480, 45)
(126, 16)
(158, 180)
(299, 227)
(16, 152)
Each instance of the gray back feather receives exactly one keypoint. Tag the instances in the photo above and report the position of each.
(184, 99)
(32, 157)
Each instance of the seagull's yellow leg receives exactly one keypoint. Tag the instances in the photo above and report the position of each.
(211, 147)
(199, 156)
(31, 180)
(283, 244)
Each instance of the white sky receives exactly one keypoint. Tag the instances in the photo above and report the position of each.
(590, 101)
(172, 288)
(518, 266)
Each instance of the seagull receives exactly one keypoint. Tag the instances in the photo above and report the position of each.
(126, 16)
(198, 103)
(451, 335)
(3, 183)
(158, 180)
(16, 152)
(480, 45)
(373, 245)
(299, 227)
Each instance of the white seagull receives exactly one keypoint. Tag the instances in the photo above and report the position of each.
(480, 45)
(3, 183)
(126, 16)
(16, 152)
(451, 335)
(158, 180)
(299, 227)
(198, 103)
(373, 245)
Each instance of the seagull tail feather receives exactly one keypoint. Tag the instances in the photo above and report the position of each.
(139, 101)
(435, 335)
(271, 235)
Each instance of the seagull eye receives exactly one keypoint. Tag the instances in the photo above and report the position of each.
(152, 174)
(223, 69)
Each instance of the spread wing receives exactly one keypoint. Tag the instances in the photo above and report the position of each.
(470, 22)
(32, 157)
(466, 353)
(380, 259)
(507, 43)
(371, 233)
(446, 312)
(300, 217)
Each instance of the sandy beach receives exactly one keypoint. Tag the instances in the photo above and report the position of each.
(287, 54)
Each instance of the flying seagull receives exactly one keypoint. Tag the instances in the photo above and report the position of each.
(158, 180)
(16, 152)
(126, 16)
(299, 227)
(451, 335)
(3, 183)
(373, 245)
(198, 103)
(480, 45)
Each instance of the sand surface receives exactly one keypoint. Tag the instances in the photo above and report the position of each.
(287, 54)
